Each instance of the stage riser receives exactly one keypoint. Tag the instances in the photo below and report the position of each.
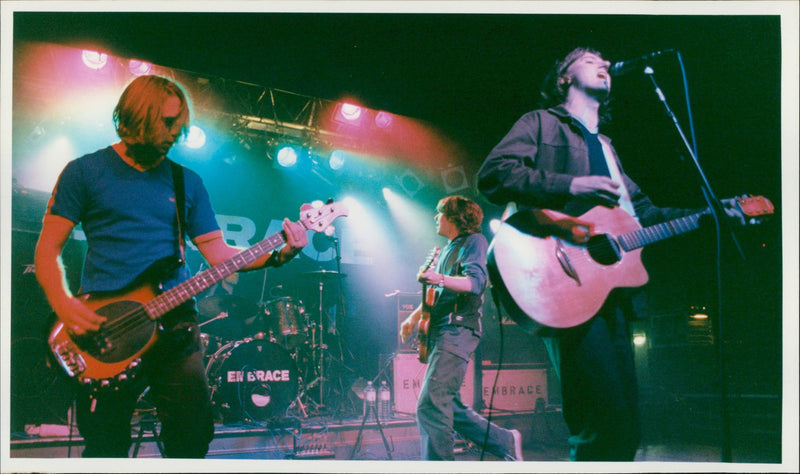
(402, 436)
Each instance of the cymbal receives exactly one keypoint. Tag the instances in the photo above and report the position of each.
(324, 275)
(236, 307)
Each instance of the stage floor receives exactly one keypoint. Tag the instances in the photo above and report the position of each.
(330, 438)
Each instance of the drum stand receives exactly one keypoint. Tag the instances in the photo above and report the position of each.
(322, 350)
(318, 348)
(298, 401)
(147, 422)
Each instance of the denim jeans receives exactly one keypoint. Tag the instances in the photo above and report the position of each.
(440, 411)
(598, 384)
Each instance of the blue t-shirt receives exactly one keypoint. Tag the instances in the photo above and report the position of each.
(128, 216)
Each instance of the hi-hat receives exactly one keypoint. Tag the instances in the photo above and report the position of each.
(324, 275)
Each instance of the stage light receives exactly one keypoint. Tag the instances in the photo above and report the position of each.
(383, 119)
(94, 59)
(196, 137)
(336, 160)
(494, 225)
(454, 179)
(287, 157)
(639, 339)
(44, 167)
(409, 183)
(139, 68)
(350, 112)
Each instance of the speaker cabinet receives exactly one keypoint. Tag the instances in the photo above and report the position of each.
(406, 304)
(409, 374)
(40, 392)
(517, 388)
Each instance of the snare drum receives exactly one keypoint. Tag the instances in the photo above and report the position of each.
(252, 380)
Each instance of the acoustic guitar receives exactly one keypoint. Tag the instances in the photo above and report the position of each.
(545, 278)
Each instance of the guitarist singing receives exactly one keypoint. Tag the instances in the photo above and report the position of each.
(126, 197)
(454, 333)
(554, 158)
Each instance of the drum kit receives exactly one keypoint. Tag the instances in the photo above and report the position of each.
(263, 360)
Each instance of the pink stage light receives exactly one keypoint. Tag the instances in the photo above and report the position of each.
(383, 119)
(139, 68)
(94, 59)
(350, 112)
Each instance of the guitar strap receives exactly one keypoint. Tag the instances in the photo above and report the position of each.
(180, 210)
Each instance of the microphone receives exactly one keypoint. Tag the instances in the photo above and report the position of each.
(623, 67)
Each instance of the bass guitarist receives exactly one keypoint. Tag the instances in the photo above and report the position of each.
(454, 333)
(554, 158)
(127, 198)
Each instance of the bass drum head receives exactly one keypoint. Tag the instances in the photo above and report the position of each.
(252, 380)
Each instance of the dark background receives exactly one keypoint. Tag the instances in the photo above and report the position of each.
(470, 76)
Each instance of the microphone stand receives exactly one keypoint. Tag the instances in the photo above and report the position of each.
(716, 211)
(341, 301)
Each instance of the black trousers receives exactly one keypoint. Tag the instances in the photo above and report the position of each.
(598, 387)
(173, 369)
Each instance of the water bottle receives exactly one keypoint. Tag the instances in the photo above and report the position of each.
(384, 402)
(369, 401)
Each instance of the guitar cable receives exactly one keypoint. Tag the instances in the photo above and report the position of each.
(496, 299)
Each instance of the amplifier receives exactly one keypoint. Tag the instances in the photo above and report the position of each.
(408, 376)
(406, 304)
(517, 388)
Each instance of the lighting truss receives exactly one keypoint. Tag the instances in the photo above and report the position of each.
(257, 111)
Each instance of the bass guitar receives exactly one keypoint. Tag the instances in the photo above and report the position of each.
(428, 299)
(546, 279)
(113, 353)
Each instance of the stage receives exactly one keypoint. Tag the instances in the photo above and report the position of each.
(544, 436)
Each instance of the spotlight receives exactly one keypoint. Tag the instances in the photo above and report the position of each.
(410, 183)
(350, 112)
(494, 225)
(383, 119)
(287, 157)
(336, 160)
(455, 179)
(196, 137)
(139, 68)
(94, 59)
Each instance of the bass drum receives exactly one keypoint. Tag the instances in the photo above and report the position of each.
(252, 380)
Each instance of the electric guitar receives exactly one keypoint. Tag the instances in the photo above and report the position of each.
(113, 353)
(428, 299)
(546, 279)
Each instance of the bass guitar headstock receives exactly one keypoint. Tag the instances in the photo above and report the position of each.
(319, 218)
